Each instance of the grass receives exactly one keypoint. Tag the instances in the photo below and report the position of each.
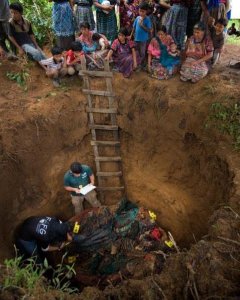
(226, 118)
(28, 276)
(233, 40)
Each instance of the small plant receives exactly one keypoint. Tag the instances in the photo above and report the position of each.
(28, 275)
(20, 77)
(226, 118)
(62, 275)
(25, 277)
(210, 89)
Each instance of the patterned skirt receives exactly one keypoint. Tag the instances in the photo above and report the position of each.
(124, 63)
(95, 60)
(159, 72)
(63, 19)
(195, 72)
(176, 24)
(107, 24)
(84, 14)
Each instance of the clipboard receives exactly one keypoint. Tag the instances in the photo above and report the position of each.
(87, 188)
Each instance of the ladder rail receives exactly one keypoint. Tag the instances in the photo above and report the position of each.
(91, 120)
(113, 118)
(113, 127)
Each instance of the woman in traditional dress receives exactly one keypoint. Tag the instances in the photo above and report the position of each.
(95, 57)
(199, 50)
(128, 11)
(106, 18)
(176, 21)
(163, 58)
(84, 13)
(63, 23)
(124, 55)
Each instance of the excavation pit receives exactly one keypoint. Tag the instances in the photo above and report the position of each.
(172, 164)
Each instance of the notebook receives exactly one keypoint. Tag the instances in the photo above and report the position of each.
(87, 188)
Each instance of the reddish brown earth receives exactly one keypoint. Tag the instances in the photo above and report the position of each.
(188, 174)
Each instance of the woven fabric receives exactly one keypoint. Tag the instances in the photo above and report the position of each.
(84, 14)
(63, 19)
(107, 24)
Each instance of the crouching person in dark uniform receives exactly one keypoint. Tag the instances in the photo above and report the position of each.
(37, 235)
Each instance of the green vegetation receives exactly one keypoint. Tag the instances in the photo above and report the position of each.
(233, 39)
(28, 275)
(62, 274)
(226, 118)
(25, 277)
(20, 77)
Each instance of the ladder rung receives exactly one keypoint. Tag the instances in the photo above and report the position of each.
(105, 143)
(113, 188)
(103, 127)
(98, 93)
(95, 73)
(105, 158)
(101, 110)
(109, 174)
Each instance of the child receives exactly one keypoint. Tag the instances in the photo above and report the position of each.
(55, 66)
(217, 36)
(142, 29)
(172, 59)
(106, 3)
(173, 51)
(102, 43)
(73, 58)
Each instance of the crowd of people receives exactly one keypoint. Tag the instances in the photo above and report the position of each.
(161, 37)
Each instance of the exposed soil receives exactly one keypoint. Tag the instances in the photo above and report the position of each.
(173, 164)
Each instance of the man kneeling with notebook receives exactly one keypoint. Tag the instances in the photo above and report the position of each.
(79, 180)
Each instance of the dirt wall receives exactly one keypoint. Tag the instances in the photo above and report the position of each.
(170, 161)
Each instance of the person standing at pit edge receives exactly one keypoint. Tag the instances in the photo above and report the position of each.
(76, 178)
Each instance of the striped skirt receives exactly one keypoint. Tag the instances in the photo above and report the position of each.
(176, 24)
(107, 24)
(84, 14)
(63, 19)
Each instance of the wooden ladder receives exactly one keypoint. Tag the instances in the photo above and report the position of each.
(104, 162)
